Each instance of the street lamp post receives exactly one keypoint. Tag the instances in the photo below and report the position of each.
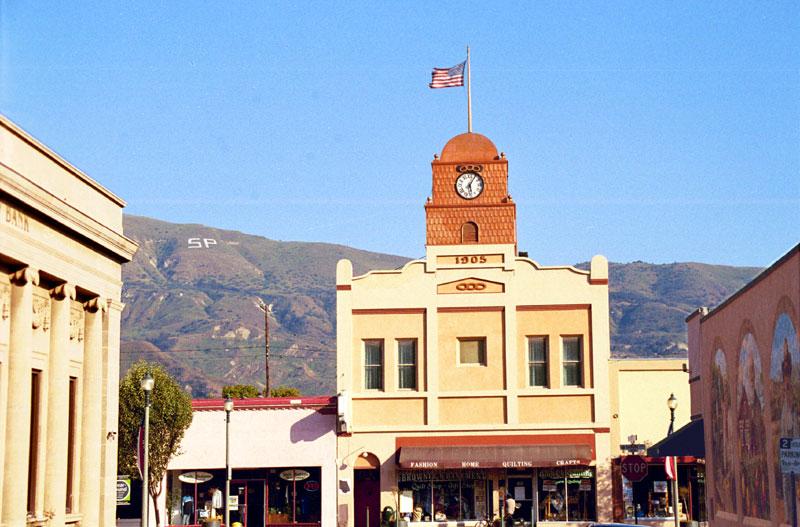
(228, 409)
(672, 403)
(147, 386)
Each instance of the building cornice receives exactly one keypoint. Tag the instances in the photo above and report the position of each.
(63, 163)
(25, 191)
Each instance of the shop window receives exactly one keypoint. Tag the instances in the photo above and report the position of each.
(472, 351)
(73, 393)
(469, 232)
(441, 500)
(537, 361)
(652, 496)
(407, 364)
(294, 495)
(572, 361)
(33, 445)
(373, 364)
(567, 494)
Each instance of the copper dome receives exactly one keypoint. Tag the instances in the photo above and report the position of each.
(469, 147)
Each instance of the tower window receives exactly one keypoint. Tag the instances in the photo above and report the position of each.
(469, 233)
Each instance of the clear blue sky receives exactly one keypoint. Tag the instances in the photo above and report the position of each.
(656, 131)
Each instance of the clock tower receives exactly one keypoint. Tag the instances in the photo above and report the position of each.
(470, 203)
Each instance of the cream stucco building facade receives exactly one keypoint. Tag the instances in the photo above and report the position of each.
(61, 251)
(639, 392)
(474, 371)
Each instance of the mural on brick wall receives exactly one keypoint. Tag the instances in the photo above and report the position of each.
(722, 430)
(753, 474)
(785, 378)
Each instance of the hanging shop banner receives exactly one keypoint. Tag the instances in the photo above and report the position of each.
(294, 474)
(195, 477)
(123, 490)
(561, 473)
(443, 475)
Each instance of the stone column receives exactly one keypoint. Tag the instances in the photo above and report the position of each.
(91, 427)
(108, 505)
(55, 490)
(18, 413)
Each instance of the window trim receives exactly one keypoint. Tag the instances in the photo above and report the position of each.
(415, 364)
(580, 361)
(545, 362)
(382, 365)
(481, 364)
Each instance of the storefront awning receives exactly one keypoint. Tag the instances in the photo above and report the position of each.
(685, 441)
(488, 456)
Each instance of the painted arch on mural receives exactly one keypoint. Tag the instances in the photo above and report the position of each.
(752, 435)
(785, 404)
(722, 434)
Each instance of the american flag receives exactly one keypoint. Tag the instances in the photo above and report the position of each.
(448, 77)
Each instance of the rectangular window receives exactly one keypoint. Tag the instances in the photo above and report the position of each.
(373, 364)
(435, 499)
(294, 495)
(33, 445)
(407, 364)
(472, 351)
(73, 393)
(567, 495)
(537, 361)
(573, 368)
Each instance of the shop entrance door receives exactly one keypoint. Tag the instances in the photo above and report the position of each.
(251, 496)
(521, 489)
(367, 497)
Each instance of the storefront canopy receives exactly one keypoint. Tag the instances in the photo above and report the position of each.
(501, 456)
(685, 441)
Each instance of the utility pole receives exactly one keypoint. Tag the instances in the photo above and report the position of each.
(267, 309)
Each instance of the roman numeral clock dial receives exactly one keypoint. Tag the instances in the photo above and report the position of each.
(469, 185)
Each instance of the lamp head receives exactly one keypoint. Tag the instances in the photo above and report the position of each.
(228, 404)
(148, 382)
(672, 402)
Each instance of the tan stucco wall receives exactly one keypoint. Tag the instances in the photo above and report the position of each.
(639, 392)
(454, 376)
(471, 400)
(390, 329)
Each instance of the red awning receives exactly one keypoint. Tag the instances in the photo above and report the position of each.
(500, 456)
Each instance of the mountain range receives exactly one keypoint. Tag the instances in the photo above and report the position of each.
(191, 293)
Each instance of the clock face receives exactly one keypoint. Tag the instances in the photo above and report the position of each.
(469, 185)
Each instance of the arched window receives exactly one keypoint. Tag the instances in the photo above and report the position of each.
(469, 233)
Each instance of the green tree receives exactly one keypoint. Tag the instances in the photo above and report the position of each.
(240, 391)
(284, 391)
(170, 416)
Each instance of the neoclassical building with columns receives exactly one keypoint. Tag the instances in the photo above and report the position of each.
(61, 255)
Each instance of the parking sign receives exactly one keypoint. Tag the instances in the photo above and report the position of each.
(789, 450)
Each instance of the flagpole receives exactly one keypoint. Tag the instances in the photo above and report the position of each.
(469, 94)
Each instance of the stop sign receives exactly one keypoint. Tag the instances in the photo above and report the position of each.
(634, 468)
